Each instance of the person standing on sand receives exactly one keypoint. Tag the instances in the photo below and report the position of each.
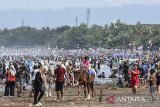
(158, 80)
(145, 68)
(99, 65)
(111, 65)
(152, 83)
(69, 70)
(20, 76)
(23, 75)
(134, 78)
(59, 75)
(33, 75)
(125, 72)
(10, 81)
(49, 76)
(120, 76)
(39, 85)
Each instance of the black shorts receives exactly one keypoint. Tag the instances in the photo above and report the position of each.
(59, 86)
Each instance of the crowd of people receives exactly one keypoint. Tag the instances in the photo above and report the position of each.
(43, 74)
(140, 73)
(62, 68)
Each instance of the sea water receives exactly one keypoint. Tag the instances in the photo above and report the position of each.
(107, 72)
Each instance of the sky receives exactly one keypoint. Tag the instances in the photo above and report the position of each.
(60, 4)
(53, 13)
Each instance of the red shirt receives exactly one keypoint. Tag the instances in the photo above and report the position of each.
(134, 76)
(10, 77)
(60, 73)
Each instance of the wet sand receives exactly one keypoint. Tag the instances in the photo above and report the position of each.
(70, 98)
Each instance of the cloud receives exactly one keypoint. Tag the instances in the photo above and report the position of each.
(57, 4)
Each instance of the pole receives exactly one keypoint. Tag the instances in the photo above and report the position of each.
(100, 96)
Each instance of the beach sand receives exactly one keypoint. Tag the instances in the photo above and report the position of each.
(70, 98)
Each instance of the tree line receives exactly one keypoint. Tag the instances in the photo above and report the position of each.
(115, 35)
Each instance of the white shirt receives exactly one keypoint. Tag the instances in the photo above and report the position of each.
(34, 74)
